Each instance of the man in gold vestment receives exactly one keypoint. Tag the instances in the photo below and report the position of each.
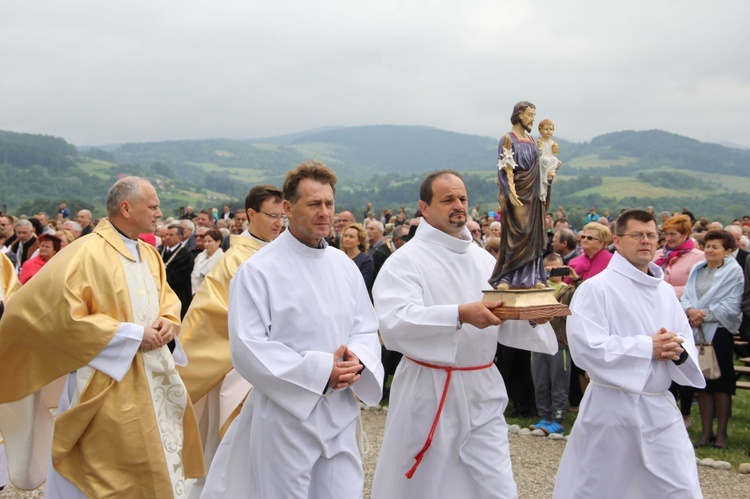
(216, 389)
(102, 311)
(9, 284)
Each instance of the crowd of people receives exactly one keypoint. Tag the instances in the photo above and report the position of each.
(412, 301)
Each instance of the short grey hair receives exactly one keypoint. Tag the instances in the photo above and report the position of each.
(24, 223)
(379, 225)
(73, 225)
(126, 189)
(188, 225)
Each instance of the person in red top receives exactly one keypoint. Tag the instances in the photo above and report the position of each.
(49, 245)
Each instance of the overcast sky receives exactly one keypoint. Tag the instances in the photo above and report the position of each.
(98, 72)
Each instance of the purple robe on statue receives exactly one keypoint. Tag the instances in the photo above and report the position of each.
(523, 239)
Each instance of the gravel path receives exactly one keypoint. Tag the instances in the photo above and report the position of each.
(535, 461)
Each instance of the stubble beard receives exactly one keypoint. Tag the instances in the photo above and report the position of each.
(457, 223)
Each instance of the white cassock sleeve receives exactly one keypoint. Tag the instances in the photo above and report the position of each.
(116, 358)
(407, 324)
(363, 342)
(689, 372)
(292, 380)
(623, 361)
(520, 334)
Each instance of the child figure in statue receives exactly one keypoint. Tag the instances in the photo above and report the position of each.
(548, 151)
(523, 238)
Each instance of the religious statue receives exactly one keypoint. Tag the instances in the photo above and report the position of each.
(524, 198)
(548, 150)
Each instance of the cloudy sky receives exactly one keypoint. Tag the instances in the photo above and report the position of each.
(98, 72)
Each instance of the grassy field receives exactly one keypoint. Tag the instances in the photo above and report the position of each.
(593, 160)
(241, 174)
(96, 167)
(621, 187)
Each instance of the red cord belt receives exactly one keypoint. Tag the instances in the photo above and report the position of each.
(449, 371)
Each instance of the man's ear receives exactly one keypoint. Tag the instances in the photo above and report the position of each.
(422, 207)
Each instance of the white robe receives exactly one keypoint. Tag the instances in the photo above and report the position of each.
(290, 308)
(629, 436)
(417, 294)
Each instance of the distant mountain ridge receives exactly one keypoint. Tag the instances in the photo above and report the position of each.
(381, 162)
(359, 152)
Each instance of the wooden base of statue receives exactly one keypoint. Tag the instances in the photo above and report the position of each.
(537, 305)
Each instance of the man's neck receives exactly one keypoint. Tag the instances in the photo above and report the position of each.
(122, 229)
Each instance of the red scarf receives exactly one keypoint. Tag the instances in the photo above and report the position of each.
(669, 255)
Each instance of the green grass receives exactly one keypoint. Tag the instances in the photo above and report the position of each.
(241, 174)
(620, 187)
(96, 167)
(592, 160)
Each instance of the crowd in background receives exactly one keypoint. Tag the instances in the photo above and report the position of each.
(704, 261)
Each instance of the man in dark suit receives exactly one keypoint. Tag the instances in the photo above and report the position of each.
(739, 254)
(26, 243)
(227, 212)
(179, 264)
(85, 219)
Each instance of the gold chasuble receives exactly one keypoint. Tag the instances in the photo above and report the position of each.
(9, 283)
(118, 439)
(204, 335)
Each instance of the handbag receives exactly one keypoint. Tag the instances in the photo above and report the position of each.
(707, 359)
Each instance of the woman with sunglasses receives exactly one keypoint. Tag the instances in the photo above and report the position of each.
(595, 258)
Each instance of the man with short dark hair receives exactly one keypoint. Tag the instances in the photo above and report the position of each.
(428, 299)
(205, 219)
(178, 262)
(565, 244)
(560, 223)
(240, 220)
(629, 333)
(8, 236)
(303, 332)
(102, 316)
(227, 212)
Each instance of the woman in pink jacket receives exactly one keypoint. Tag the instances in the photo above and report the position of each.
(595, 258)
(679, 253)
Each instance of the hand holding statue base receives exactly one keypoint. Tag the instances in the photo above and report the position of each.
(537, 305)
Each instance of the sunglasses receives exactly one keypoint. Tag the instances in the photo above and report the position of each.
(590, 238)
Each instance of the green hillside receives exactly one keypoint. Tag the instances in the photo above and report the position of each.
(381, 164)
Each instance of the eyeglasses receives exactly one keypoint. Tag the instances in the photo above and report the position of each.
(591, 238)
(652, 236)
(274, 217)
(476, 231)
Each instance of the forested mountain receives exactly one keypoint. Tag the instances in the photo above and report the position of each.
(381, 164)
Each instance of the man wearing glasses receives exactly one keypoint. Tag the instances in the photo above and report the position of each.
(629, 333)
(218, 390)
